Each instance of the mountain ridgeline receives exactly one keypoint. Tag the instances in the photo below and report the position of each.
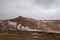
(29, 24)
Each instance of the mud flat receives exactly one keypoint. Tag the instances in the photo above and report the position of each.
(23, 35)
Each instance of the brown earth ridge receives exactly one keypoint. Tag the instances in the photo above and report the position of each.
(43, 25)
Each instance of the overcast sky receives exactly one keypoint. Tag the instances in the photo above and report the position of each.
(37, 9)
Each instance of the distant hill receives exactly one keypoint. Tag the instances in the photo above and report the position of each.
(22, 23)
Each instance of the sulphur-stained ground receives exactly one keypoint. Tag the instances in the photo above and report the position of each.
(28, 36)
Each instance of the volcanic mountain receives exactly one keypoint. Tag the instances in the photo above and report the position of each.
(23, 23)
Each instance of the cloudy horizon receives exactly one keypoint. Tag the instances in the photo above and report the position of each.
(37, 9)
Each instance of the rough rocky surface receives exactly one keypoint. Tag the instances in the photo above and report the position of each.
(23, 23)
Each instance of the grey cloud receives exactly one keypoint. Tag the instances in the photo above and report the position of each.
(39, 9)
(48, 3)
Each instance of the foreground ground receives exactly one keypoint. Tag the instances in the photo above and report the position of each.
(28, 36)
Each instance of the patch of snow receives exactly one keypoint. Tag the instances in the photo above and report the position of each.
(18, 26)
(23, 28)
(44, 21)
(12, 23)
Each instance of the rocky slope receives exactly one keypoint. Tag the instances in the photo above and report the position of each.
(29, 24)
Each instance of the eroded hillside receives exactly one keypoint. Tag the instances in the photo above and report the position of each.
(22, 23)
